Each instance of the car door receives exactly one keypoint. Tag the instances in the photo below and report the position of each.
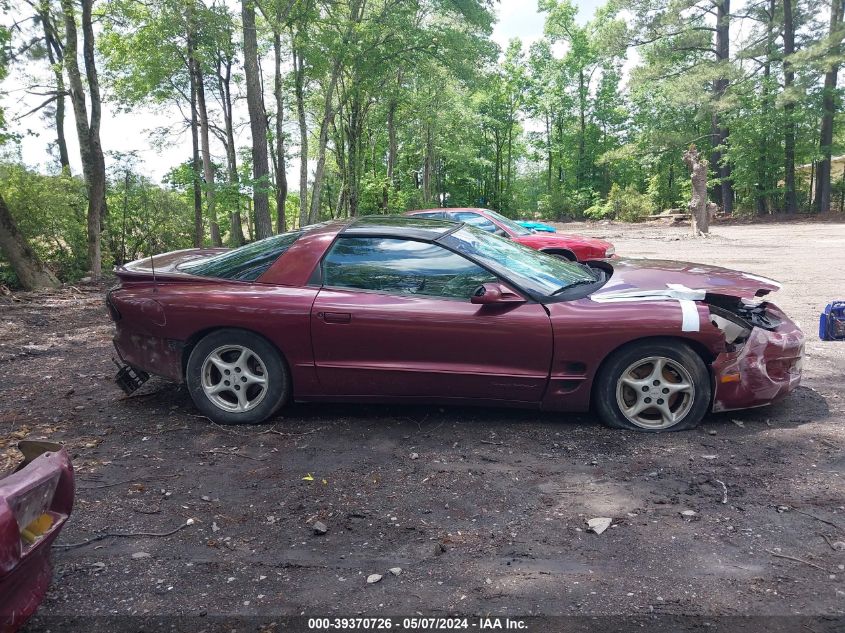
(394, 318)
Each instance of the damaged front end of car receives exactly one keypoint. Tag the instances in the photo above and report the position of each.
(763, 353)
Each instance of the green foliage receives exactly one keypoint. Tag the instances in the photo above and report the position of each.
(421, 108)
(4, 68)
(144, 218)
(624, 204)
(50, 214)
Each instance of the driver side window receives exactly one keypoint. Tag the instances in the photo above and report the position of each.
(403, 267)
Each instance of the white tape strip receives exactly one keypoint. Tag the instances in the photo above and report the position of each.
(682, 292)
(689, 316)
(673, 291)
(686, 297)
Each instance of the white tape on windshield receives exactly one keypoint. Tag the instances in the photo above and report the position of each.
(686, 298)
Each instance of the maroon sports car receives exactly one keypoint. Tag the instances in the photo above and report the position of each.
(565, 245)
(398, 309)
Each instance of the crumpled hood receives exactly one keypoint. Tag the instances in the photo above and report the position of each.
(631, 275)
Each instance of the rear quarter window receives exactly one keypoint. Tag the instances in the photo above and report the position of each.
(246, 263)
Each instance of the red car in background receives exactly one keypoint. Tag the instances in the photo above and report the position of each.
(413, 310)
(35, 502)
(565, 245)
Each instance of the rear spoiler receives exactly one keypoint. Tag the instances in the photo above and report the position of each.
(164, 267)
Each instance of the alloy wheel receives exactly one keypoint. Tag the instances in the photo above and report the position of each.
(234, 378)
(655, 392)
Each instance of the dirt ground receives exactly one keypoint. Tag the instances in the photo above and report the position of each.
(483, 510)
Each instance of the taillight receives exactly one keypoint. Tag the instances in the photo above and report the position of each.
(30, 506)
(38, 528)
(39, 494)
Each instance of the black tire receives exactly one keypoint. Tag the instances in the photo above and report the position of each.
(264, 362)
(643, 355)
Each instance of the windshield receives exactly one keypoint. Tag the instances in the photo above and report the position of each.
(246, 263)
(532, 270)
(512, 226)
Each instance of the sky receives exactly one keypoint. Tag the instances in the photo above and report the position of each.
(520, 18)
(134, 131)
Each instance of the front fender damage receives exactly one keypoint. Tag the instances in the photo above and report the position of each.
(763, 370)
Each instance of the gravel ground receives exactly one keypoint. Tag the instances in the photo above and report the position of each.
(483, 510)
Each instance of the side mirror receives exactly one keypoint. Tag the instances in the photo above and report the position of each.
(494, 293)
(501, 233)
(488, 293)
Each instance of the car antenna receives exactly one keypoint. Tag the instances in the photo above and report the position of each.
(153, 266)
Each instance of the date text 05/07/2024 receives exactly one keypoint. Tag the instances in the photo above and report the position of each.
(417, 624)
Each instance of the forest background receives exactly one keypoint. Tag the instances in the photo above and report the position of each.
(130, 127)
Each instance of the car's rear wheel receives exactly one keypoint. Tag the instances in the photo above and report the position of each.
(653, 386)
(236, 377)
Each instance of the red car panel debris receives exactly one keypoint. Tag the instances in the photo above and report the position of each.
(35, 502)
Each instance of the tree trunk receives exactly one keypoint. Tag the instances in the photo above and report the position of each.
(341, 202)
(392, 146)
(549, 166)
(31, 273)
(224, 77)
(195, 163)
(353, 135)
(763, 170)
(355, 12)
(497, 172)
(812, 185)
(842, 192)
(700, 208)
(582, 129)
(339, 142)
(724, 192)
(823, 179)
(299, 81)
(257, 123)
(55, 56)
(791, 199)
(99, 174)
(277, 19)
(249, 230)
(508, 172)
(328, 115)
(278, 91)
(90, 149)
(428, 164)
(202, 111)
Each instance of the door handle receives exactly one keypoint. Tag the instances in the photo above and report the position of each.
(335, 317)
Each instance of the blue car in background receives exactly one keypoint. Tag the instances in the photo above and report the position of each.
(537, 226)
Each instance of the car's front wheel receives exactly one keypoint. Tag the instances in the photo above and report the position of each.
(236, 377)
(653, 386)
